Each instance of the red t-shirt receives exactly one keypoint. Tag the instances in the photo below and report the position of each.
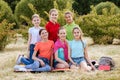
(45, 49)
(52, 30)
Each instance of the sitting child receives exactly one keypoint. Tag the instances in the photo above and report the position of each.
(61, 50)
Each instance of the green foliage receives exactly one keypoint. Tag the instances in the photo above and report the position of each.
(5, 12)
(67, 7)
(109, 7)
(5, 33)
(27, 8)
(83, 6)
(102, 28)
(12, 3)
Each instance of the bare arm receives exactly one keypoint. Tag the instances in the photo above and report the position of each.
(35, 58)
(58, 59)
(69, 55)
(51, 61)
(87, 58)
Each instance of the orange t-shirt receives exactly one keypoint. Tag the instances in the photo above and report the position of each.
(45, 49)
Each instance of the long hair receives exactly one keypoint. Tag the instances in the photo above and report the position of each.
(81, 34)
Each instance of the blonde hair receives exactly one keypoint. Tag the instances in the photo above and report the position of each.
(53, 10)
(69, 12)
(61, 28)
(35, 15)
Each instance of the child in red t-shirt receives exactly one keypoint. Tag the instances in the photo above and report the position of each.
(52, 26)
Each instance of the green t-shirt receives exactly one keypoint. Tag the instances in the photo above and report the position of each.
(69, 28)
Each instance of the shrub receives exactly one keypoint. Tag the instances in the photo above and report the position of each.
(26, 8)
(5, 33)
(12, 3)
(102, 28)
(109, 7)
(5, 12)
(83, 6)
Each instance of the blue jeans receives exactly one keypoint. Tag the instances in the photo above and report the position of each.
(29, 60)
(36, 66)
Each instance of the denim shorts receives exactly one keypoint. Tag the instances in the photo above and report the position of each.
(78, 60)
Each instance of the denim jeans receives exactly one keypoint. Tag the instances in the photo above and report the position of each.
(29, 60)
(78, 60)
(36, 66)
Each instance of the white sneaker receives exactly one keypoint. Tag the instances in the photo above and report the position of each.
(22, 69)
(19, 59)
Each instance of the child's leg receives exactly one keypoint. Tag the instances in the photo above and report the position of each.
(74, 67)
(61, 65)
(84, 67)
(43, 69)
(26, 61)
(31, 52)
(34, 65)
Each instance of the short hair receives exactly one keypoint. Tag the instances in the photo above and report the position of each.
(53, 10)
(69, 12)
(35, 15)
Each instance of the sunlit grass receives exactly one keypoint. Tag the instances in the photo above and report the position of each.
(9, 55)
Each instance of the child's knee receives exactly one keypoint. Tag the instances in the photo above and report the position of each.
(36, 64)
(67, 66)
(48, 68)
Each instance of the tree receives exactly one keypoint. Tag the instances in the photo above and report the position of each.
(12, 4)
(83, 6)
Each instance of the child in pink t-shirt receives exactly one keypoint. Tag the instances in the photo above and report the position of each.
(61, 50)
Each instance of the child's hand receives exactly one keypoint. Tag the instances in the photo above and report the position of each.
(42, 63)
(74, 63)
(66, 64)
(93, 68)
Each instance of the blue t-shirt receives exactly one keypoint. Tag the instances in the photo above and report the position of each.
(77, 48)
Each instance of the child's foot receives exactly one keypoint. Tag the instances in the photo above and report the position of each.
(19, 59)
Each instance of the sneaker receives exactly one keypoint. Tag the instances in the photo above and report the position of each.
(16, 67)
(22, 69)
(19, 59)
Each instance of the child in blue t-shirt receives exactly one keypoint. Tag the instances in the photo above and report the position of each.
(78, 51)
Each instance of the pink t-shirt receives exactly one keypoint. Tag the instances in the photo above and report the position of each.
(59, 44)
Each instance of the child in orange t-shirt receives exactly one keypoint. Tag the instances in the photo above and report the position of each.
(45, 48)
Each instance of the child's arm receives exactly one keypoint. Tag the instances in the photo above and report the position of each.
(51, 61)
(69, 56)
(87, 58)
(58, 59)
(35, 58)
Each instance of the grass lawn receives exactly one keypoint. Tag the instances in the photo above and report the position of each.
(9, 55)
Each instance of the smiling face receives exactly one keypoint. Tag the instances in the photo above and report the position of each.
(53, 15)
(77, 33)
(44, 34)
(36, 21)
(68, 18)
(62, 34)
